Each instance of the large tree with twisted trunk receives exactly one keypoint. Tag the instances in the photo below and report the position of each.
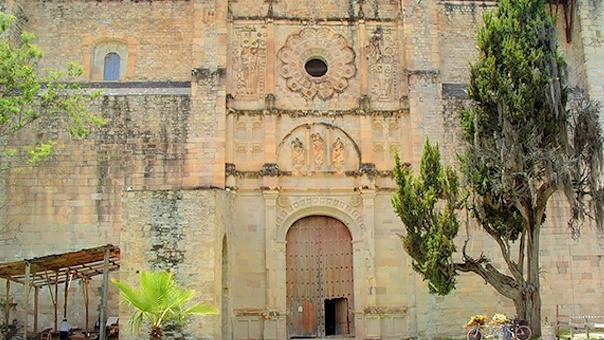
(524, 141)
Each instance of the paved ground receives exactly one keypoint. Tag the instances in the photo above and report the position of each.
(583, 336)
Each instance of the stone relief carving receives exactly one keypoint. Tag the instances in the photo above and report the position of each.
(337, 155)
(316, 148)
(386, 141)
(322, 44)
(356, 200)
(249, 55)
(283, 201)
(298, 154)
(248, 138)
(382, 64)
(343, 206)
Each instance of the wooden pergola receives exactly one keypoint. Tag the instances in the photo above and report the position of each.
(53, 270)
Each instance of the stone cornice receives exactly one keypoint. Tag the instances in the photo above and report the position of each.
(318, 113)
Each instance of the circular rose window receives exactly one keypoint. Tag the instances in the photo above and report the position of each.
(317, 62)
(316, 67)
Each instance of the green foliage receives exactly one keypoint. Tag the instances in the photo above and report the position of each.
(160, 300)
(426, 205)
(27, 97)
(524, 142)
(518, 125)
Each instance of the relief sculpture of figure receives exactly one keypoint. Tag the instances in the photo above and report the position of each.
(249, 61)
(337, 155)
(380, 57)
(249, 57)
(318, 148)
(298, 154)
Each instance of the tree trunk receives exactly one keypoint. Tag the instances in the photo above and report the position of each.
(156, 333)
(528, 304)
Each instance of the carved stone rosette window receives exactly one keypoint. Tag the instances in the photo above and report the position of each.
(317, 62)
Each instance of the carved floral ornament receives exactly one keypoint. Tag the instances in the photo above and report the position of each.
(317, 46)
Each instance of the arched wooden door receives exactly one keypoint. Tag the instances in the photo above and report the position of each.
(319, 278)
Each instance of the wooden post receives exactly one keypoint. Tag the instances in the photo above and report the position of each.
(105, 288)
(85, 291)
(26, 298)
(7, 306)
(36, 292)
(56, 301)
(67, 284)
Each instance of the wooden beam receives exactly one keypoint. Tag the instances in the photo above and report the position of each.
(105, 289)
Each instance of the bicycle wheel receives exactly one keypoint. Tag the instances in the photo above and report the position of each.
(499, 334)
(475, 334)
(523, 333)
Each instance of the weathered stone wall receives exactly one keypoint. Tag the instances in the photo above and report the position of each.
(181, 231)
(207, 103)
(308, 10)
(76, 192)
(73, 200)
(458, 23)
(590, 37)
(157, 34)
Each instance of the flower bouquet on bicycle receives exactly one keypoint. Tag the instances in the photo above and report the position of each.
(500, 328)
(475, 325)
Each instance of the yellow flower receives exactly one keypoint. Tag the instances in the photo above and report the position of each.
(499, 319)
(475, 320)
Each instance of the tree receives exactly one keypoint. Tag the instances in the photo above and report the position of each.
(524, 143)
(27, 97)
(159, 301)
(431, 229)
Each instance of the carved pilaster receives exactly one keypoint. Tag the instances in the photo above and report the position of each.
(363, 56)
(368, 197)
(270, 216)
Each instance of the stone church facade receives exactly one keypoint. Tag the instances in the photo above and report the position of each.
(249, 147)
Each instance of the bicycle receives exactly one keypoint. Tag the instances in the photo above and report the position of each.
(475, 333)
(516, 330)
(519, 330)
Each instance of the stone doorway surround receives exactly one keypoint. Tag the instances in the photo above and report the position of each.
(355, 211)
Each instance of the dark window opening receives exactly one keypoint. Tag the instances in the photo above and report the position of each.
(316, 67)
(111, 70)
(336, 316)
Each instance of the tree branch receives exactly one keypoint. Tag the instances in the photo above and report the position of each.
(504, 284)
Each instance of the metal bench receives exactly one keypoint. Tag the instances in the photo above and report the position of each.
(576, 323)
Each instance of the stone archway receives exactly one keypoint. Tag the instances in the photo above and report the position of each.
(319, 278)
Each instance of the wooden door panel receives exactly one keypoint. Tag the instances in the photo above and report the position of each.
(318, 267)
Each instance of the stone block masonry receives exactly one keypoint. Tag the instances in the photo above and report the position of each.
(219, 140)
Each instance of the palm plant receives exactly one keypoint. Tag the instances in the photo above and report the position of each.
(158, 301)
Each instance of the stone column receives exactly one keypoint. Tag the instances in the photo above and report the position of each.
(270, 56)
(362, 57)
(369, 222)
(274, 324)
(360, 290)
